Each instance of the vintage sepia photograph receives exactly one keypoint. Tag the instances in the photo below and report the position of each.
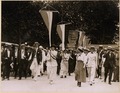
(60, 46)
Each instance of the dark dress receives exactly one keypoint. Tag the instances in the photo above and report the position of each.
(72, 63)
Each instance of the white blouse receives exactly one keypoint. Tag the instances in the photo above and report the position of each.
(80, 57)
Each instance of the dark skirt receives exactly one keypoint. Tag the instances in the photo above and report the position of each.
(80, 72)
(71, 66)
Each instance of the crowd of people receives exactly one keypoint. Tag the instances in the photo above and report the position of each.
(35, 61)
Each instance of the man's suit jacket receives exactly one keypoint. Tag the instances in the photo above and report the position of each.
(39, 56)
(27, 54)
(109, 60)
(35, 54)
(7, 57)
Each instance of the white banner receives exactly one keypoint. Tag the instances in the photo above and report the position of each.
(47, 17)
(61, 33)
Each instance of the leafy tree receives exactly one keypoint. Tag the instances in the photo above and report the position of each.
(22, 20)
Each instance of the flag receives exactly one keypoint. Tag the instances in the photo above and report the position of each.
(47, 17)
(61, 33)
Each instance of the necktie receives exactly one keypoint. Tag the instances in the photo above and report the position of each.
(8, 53)
(110, 54)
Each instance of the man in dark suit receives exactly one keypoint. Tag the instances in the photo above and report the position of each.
(58, 59)
(100, 53)
(109, 64)
(6, 62)
(21, 66)
(28, 57)
(14, 56)
(116, 69)
(40, 59)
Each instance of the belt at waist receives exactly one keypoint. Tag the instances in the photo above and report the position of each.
(79, 61)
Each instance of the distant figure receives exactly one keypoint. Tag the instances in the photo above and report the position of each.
(100, 53)
(116, 69)
(15, 61)
(109, 64)
(40, 59)
(6, 61)
(59, 58)
(21, 64)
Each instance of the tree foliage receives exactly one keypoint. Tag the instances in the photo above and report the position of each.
(22, 18)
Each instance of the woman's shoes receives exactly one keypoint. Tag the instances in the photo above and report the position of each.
(79, 84)
(51, 82)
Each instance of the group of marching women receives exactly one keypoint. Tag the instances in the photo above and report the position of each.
(35, 61)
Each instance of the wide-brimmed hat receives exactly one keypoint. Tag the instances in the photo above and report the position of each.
(80, 49)
(92, 47)
(22, 45)
(110, 48)
(105, 49)
(86, 49)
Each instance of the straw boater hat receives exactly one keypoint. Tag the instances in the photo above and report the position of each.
(101, 46)
(109, 47)
(80, 49)
(105, 49)
(86, 49)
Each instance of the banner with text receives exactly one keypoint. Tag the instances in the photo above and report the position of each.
(72, 38)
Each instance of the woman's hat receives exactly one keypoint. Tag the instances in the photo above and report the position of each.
(92, 47)
(80, 49)
(110, 48)
(53, 45)
(86, 49)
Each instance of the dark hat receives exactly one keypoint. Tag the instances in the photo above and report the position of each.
(80, 50)
(5, 45)
(36, 43)
(53, 46)
(65, 50)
